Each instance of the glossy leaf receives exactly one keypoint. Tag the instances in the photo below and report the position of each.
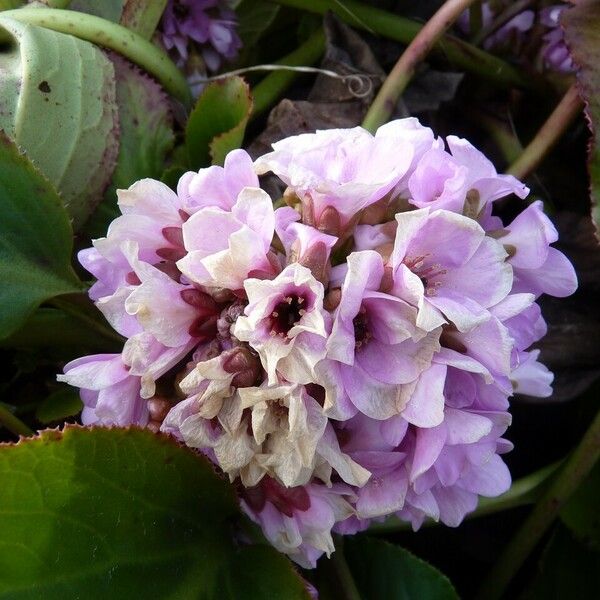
(123, 513)
(142, 16)
(35, 240)
(254, 18)
(60, 97)
(382, 571)
(218, 121)
(146, 137)
(58, 406)
(581, 24)
(567, 569)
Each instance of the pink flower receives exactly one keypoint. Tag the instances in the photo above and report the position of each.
(285, 323)
(225, 247)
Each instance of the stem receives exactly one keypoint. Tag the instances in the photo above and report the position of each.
(575, 469)
(73, 310)
(461, 54)
(550, 132)
(526, 490)
(271, 87)
(110, 35)
(385, 102)
(12, 423)
(475, 18)
(503, 18)
(341, 570)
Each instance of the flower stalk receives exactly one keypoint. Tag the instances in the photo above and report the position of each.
(266, 92)
(402, 73)
(573, 472)
(551, 131)
(461, 54)
(12, 423)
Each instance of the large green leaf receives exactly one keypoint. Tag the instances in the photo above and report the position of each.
(383, 571)
(218, 121)
(254, 18)
(35, 240)
(146, 137)
(120, 514)
(581, 24)
(59, 94)
(568, 570)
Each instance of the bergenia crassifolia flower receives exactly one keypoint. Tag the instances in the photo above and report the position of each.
(340, 359)
(205, 26)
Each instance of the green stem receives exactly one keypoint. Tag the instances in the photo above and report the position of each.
(526, 490)
(461, 54)
(399, 77)
(551, 131)
(343, 575)
(475, 18)
(113, 36)
(503, 18)
(575, 469)
(272, 87)
(12, 423)
(75, 311)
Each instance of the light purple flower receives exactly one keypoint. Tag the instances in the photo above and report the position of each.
(285, 323)
(538, 268)
(463, 181)
(209, 24)
(337, 172)
(225, 247)
(110, 394)
(447, 267)
(375, 341)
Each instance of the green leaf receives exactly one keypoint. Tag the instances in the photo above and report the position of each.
(146, 137)
(58, 406)
(382, 571)
(581, 514)
(122, 513)
(35, 240)
(581, 25)
(107, 9)
(59, 94)
(254, 18)
(38, 335)
(143, 16)
(258, 572)
(568, 569)
(218, 121)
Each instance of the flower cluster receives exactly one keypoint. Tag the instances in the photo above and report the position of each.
(519, 31)
(346, 356)
(206, 25)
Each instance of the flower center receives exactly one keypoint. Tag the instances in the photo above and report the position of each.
(428, 274)
(362, 335)
(286, 314)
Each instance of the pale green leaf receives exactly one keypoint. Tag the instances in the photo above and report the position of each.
(59, 98)
(35, 240)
